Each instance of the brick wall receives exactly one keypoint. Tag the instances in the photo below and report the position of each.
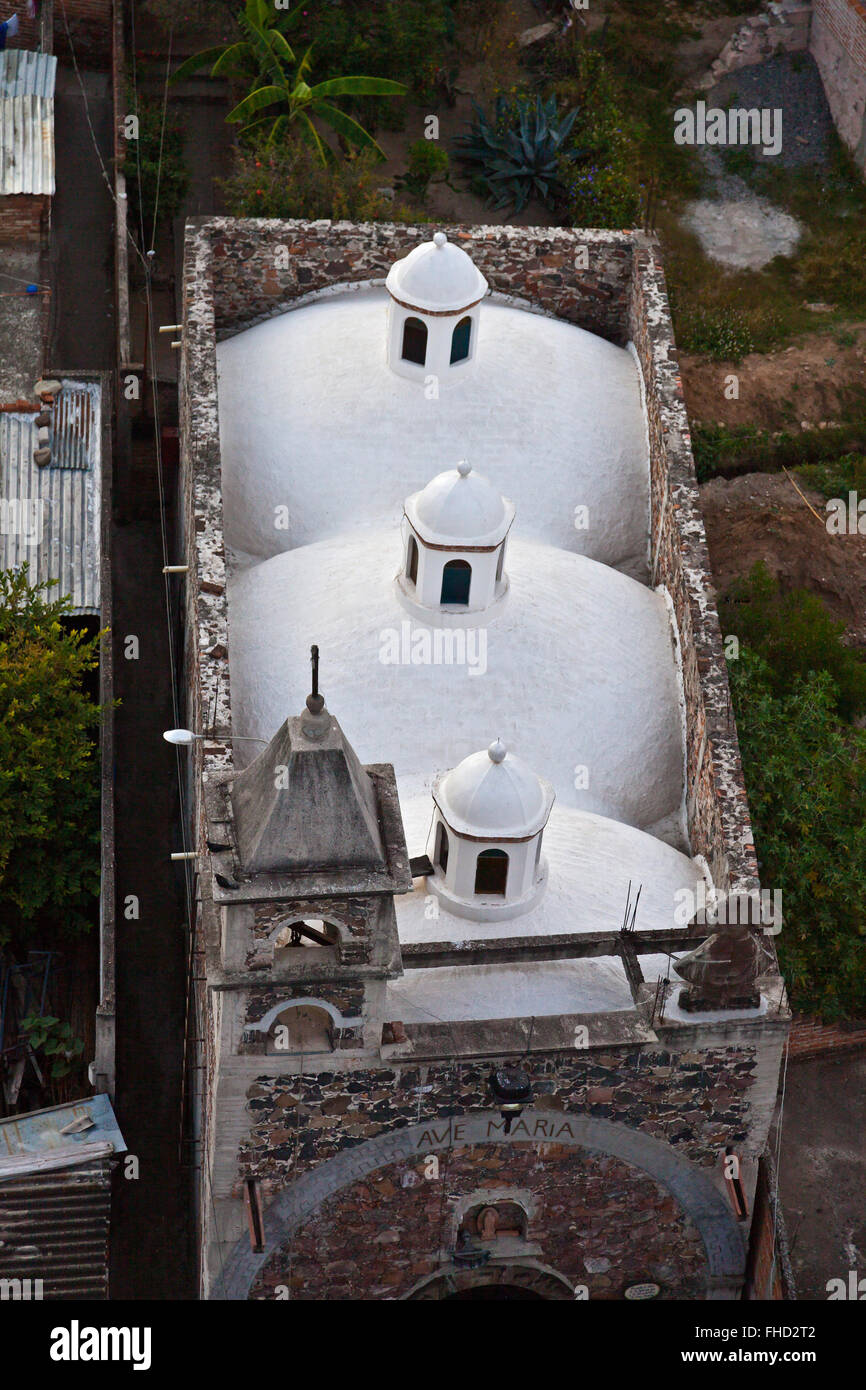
(809, 1037)
(595, 1220)
(769, 1275)
(838, 45)
(89, 30)
(22, 218)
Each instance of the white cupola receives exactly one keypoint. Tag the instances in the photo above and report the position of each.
(454, 535)
(436, 292)
(485, 841)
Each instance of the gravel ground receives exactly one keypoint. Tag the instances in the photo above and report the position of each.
(789, 82)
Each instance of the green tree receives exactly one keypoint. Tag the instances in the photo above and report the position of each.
(805, 772)
(279, 93)
(49, 787)
(795, 634)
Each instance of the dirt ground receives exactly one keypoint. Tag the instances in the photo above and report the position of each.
(807, 383)
(822, 1171)
(761, 517)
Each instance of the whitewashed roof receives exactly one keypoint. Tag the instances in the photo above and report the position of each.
(313, 422)
(460, 506)
(586, 680)
(494, 793)
(436, 276)
(26, 121)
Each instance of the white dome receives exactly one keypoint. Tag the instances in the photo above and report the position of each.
(461, 507)
(495, 795)
(437, 277)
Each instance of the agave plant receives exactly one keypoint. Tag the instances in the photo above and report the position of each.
(280, 94)
(516, 153)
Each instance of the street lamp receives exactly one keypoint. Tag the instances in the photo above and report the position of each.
(184, 737)
(511, 1088)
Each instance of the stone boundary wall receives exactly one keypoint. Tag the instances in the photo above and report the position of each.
(240, 272)
(809, 1037)
(838, 45)
(716, 804)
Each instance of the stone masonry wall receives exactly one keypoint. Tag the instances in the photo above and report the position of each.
(261, 266)
(716, 804)
(838, 45)
(697, 1102)
(596, 1220)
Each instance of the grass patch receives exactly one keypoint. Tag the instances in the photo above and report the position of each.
(726, 451)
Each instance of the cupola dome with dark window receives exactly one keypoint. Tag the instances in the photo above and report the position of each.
(489, 816)
(435, 294)
(454, 535)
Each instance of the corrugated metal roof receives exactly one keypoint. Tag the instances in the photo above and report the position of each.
(54, 1221)
(38, 1134)
(23, 73)
(50, 517)
(26, 121)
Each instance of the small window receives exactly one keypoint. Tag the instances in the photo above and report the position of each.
(414, 341)
(456, 582)
(491, 872)
(442, 847)
(460, 340)
(500, 562)
(412, 561)
(538, 852)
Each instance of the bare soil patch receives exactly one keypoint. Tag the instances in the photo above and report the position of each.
(812, 381)
(761, 517)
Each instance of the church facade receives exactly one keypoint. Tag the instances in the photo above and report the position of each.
(455, 1035)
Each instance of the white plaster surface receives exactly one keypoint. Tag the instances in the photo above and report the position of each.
(590, 862)
(580, 671)
(528, 988)
(550, 414)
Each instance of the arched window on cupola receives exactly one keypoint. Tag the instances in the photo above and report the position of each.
(456, 582)
(412, 560)
(460, 340)
(414, 341)
(491, 872)
(442, 847)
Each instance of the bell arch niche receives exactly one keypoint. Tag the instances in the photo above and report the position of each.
(301, 1027)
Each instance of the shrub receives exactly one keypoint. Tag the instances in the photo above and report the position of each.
(796, 636)
(427, 161)
(287, 180)
(515, 156)
(805, 773)
(598, 164)
(49, 787)
(407, 40)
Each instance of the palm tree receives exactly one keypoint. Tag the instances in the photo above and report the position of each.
(265, 58)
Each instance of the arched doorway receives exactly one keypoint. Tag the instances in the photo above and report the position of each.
(456, 581)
